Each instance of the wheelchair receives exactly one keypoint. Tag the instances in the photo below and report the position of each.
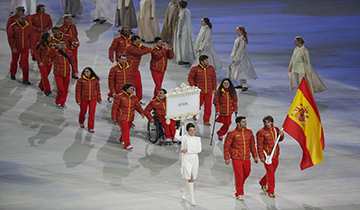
(156, 131)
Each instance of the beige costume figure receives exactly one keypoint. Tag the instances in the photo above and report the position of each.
(72, 6)
(300, 67)
(125, 14)
(148, 25)
(170, 22)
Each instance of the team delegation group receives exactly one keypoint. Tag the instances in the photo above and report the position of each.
(30, 35)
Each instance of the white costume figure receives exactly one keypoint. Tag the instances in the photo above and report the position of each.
(72, 6)
(300, 67)
(148, 27)
(125, 14)
(30, 6)
(241, 67)
(184, 38)
(170, 22)
(190, 147)
(102, 9)
(204, 46)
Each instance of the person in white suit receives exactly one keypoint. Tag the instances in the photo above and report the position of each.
(190, 147)
(148, 27)
(30, 6)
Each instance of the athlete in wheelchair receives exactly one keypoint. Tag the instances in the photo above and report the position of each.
(157, 126)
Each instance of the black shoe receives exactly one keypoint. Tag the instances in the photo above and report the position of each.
(26, 82)
(142, 103)
(109, 100)
(33, 58)
(12, 77)
(102, 21)
(73, 15)
(238, 87)
(48, 93)
(42, 89)
(96, 20)
(75, 77)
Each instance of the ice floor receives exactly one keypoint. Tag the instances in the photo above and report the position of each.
(48, 162)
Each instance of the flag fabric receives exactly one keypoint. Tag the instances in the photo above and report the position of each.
(303, 123)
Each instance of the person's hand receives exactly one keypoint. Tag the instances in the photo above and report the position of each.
(31, 50)
(78, 103)
(114, 94)
(262, 160)
(214, 91)
(15, 50)
(114, 120)
(170, 47)
(39, 29)
(184, 150)
(112, 60)
(126, 7)
(41, 64)
(45, 29)
(142, 116)
(227, 162)
(218, 113)
(281, 133)
(99, 102)
(256, 161)
(153, 46)
(152, 120)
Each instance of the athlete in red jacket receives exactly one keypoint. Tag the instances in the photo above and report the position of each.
(204, 77)
(239, 143)
(14, 17)
(159, 106)
(20, 39)
(87, 93)
(225, 101)
(158, 63)
(41, 23)
(119, 44)
(44, 62)
(266, 138)
(119, 75)
(134, 51)
(122, 112)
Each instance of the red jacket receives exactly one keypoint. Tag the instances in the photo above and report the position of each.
(266, 138)
(239, 143)
(203, 78)
(159, 107)
(124, 107)
(118, 46)
(134, 53)
(87, 90)
(118, 76)
(42, 21)
(13, 19)
(41, 55)
(61, 63)
(159, 58)
(68, 39)
(20, 37)
(70, 29)
(225, 104)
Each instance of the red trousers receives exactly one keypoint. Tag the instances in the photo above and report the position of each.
(62, 85)
(269, 178)
(44, 82)
(75, 53)
(24, 62)
(226, 120)
(207, 106)
(242, 170)
(125, 132)
(169, 129)
(138, 85)
(34, 47)
(83, 109)
(158, 79)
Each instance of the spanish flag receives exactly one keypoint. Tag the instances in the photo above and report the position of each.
(303, 123)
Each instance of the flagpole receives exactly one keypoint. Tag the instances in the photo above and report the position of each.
(269, 157)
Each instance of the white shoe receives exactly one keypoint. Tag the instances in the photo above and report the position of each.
(167, 140)
(191, 192)
(91, 131)
(240, 198)
(129, 147)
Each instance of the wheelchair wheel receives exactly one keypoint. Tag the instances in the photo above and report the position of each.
(153, 131)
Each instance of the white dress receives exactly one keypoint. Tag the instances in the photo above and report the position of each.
(75, 6)
(125, 17)
(190, 159)
(204, 43)
(102, 9)
(148, 28)
(241, 68)
(184, 38)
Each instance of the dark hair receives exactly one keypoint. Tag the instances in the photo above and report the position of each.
(38, 7)
(268, 118)
(300, 39)
(162, 89)
(203, 57)
(183, 4)
(232, 90)
(157, 39)
(62, 41)
(123, 29)
(122, 55)
(134, 38)
(92, 73)
(207, 21)
(127, 86)
(238, 119)
(43, 41)
(189, 125)
(55, 28)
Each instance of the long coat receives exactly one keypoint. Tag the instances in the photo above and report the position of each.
(170, 23)
(148, 28)
(125, 17)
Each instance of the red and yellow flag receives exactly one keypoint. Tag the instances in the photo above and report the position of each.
(303, 123)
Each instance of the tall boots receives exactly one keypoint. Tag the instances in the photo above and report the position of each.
(190, 186)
